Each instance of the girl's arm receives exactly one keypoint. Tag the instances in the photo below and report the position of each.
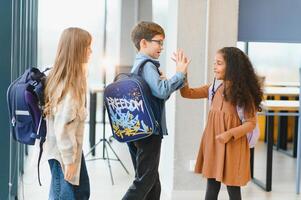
(235, 133)
(194, 93)
(65, 129)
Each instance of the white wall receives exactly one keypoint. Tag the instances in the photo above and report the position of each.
(200, 28)
(113, 44)
(166, 168)
(222, 29)
(160, 16)
(189, 113)
(185, 22)
(56, 15)
(122, 17)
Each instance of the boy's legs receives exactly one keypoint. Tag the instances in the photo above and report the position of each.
(155, 191)
(146, 175)
(212, 189)
(133, 152)
(234, 192)
(82, 192)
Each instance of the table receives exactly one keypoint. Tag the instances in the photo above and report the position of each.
(279, 105)
(284, 93)
(281, 91)
(282, 83)
(276, 105)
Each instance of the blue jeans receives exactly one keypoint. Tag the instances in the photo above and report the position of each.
(60, 189)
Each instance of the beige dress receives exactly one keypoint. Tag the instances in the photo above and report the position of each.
(228, 163)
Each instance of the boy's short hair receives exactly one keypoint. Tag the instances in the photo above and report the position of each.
(145, 30)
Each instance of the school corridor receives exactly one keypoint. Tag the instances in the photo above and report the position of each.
(269, 32)
(102, 188)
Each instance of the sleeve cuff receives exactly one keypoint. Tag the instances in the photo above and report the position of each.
(67, 158)
(180, 75)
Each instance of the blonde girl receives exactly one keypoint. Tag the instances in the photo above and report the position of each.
(65, 96)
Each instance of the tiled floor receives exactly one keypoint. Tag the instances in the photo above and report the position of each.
(101, 187)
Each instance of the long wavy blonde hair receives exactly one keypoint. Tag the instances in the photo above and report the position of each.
(68, 73)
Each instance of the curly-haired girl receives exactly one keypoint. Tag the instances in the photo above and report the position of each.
(224, 155)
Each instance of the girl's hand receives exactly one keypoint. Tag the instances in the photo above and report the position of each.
(70, 171)
(223, 137)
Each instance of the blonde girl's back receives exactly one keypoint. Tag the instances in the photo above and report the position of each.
(65, 113)
(68, 73)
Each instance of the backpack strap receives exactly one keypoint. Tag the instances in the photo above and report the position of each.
(36, 91)
(118, 76)
(140, 68)
(41, 135)
(39, 122)
(212, 89)
(25, 75)
(240, 113)
(45, 70)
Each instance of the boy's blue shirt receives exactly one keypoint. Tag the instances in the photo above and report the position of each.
(159, 88)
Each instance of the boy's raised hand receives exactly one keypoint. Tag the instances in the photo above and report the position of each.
(181, 60)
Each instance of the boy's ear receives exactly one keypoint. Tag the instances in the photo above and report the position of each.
(143, 43)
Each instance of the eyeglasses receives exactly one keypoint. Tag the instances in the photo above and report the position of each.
(159, 42)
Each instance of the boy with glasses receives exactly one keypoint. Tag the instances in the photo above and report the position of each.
(148, 38)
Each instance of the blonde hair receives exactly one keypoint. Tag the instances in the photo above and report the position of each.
(68, 73)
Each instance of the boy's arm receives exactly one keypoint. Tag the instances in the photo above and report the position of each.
(162, 88)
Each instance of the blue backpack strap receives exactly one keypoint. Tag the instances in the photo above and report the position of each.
(24, 77)
(141, 66)
(139, 69)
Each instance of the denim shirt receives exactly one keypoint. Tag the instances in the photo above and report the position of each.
(160, 88)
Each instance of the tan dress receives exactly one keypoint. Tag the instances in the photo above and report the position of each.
(228, 163)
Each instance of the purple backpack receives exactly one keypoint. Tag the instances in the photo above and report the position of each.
(25, 100)
(253, 135)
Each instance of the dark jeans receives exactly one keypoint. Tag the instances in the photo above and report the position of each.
(60, 189)
(214, 186)
(145, 154)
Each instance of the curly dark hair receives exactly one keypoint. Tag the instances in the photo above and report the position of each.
(244, 87)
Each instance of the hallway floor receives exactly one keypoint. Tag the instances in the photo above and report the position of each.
(283, 187)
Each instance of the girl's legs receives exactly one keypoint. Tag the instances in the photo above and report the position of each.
(234, 192)
(59, 188)
(82, 192)
(212, 189)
